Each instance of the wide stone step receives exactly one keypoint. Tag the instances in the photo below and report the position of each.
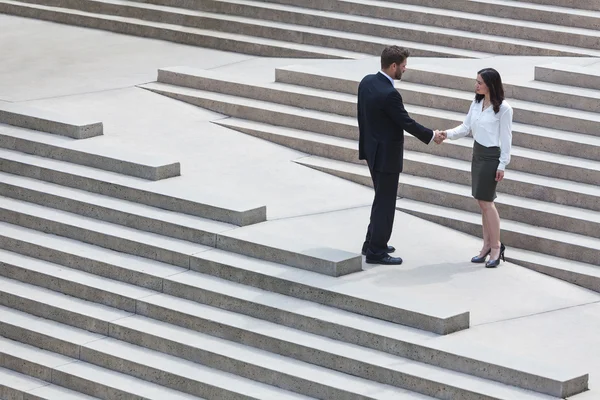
(263, 336)
(581, 274)
(328, 100)
(511, 207)
(109, 159)
(558, 95)
(354, 16)
(175, 33)
(582, 4)
(50, 122)
(270, 277)
(514, 10)
(569, 75)
(180, 226)
(565, 245)
(525, 160)
(526, 112)
(14, 385)
(107, 383)
(210, 206)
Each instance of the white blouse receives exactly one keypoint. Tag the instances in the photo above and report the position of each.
(488, 128)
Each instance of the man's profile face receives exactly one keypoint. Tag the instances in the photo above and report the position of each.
(400, 68)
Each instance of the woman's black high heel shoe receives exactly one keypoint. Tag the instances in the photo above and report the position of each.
(495, 263)
(481, 260)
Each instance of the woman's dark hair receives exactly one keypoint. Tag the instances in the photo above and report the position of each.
(492, 80)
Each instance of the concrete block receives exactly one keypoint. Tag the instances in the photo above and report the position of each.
(140, 166)
(568, 75)
(45, 121)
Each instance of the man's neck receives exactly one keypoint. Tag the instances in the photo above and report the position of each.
(387, 76)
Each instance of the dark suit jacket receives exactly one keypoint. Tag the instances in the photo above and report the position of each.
(382, 121)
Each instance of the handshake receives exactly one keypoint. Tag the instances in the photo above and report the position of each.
(439, 136)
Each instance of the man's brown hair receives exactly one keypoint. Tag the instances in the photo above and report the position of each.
(393, 54)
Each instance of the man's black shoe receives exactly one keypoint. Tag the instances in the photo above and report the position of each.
(390, 249)
(387, 260)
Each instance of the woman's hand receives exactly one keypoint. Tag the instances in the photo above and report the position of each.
(499, 175)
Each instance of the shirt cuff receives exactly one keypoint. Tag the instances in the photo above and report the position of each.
(501, 167)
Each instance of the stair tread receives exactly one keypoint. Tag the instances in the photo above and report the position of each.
(127, 383)
(119, 179)
(552, 234)
(75, 247)
(358, 19)
(18, 381)
(64, 142)
(129, 207)
(458, 164)
(102, 227)
(191, 30)
(297, 368)
(463, 190)
(555, 262)
(41, 389)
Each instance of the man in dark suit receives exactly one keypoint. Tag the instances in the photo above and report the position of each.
(382, 121)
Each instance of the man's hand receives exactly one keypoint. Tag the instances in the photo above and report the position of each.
(439, 136)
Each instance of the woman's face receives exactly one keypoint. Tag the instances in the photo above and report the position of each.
(481, 87)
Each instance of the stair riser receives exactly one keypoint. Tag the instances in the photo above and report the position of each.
(27, 118)
(113, 189)
(109, 215)
(507, 211)
(568, 78)
(586, 281)
(389, 13)
(449, 150)
(82, 263)
(275, 118)
(520, 138)
(42, 341)
(542, 119)
(88, 159)
(25, 367)
(172, 35)
(518, 240)
(491, 9)
(511, 91)
(96, 238)
(292, 383)
(581, 4)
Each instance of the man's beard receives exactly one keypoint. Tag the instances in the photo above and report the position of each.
(398, 75)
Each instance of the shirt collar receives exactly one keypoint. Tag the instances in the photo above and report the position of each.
(387, 76)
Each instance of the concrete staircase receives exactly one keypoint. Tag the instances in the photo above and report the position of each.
(111, 289)
(550, 197)
(347, 29)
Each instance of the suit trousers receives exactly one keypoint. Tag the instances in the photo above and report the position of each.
(383, 211)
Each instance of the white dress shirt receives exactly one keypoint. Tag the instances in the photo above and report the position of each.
(488, 128)
(394, 85)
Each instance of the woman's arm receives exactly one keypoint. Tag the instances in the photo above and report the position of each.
(463, 129)
(505, 137)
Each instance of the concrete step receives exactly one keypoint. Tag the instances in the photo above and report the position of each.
(585, 99)
(569, 75)
(565, 245)
(109, 159)
(295, 253)
(511, 207)
(323, 36)
(293, 375)
(253, 301)
(14, 385)
(290, 92)
(270, 277)
(514, 10)
(582, 4)
(90, 379)
(50, 122)
(531, 161)
(262, 336)
(357, 17)
(460, 100)
(210, 206)
(175, 33)
(581, 274)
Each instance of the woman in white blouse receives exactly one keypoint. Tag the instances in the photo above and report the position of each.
(490, 122)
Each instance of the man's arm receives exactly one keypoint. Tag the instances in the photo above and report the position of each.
(394, 107)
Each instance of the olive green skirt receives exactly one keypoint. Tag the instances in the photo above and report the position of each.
(483, 171)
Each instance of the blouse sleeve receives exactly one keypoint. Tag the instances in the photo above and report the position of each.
(462, 130)
(505, 137)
